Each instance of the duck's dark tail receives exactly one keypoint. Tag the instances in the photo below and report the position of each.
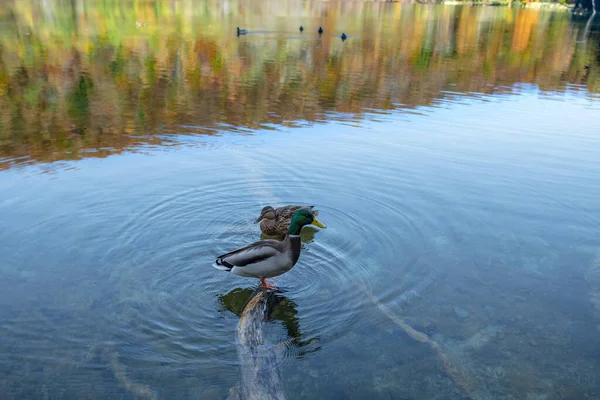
(222, 265)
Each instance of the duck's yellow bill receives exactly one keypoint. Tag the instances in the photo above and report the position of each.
(317, 223)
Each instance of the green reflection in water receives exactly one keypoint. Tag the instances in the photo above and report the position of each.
(91, 79)
(81, 79)
(279, 308)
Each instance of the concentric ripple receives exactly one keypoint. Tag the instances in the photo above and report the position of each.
(155, 302)
(175, 309)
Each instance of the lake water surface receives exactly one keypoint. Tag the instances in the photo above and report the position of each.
(453, 152)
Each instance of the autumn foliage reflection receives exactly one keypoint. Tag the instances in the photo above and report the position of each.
(80, 79)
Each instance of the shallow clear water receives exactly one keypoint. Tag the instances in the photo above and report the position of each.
(453, 153)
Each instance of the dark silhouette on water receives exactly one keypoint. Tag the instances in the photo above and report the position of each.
(241, 31)
(301, 28)
(344, 37)
(320, 30)
(278, 309)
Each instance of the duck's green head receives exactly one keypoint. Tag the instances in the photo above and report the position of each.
(301, 218)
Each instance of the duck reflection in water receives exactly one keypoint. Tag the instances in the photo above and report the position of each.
(277, 308)
(260, 361)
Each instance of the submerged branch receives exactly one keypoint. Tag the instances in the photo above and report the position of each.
(458, 378)
(139, 390)
(260, 373)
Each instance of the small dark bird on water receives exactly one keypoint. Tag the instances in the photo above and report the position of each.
(344, 37)
(320, 30)
(301, 28)
(241, 31)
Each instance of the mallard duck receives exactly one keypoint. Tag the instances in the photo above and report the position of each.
(241, 31)
(301, 28)
(269, 258)
(320, 30)
(344, 37)
(276, 221)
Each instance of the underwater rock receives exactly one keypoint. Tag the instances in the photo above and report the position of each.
(482, 337)
(593, 277)
(496, 373)
(461, 312)
(595, 299)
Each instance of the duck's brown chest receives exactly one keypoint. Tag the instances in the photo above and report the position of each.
(274, 228)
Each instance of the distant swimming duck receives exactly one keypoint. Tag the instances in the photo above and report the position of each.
(276, 221)
(344, 37)
(241, 31)
(269, 258)
(320, 30)
(301, 28)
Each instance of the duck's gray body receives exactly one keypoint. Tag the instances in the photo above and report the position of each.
(262, 259)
